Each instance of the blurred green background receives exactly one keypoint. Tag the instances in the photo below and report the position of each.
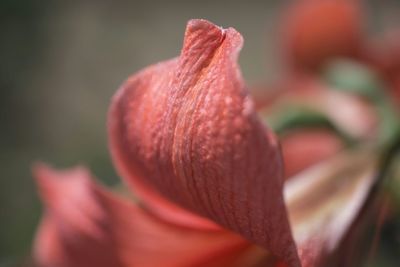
(61, 61)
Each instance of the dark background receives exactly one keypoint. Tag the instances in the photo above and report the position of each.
(61, 61)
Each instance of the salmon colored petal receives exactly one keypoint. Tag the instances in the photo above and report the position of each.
(85, 225)
(316, 31)
(187, 128)
(325, 200)
(303, 148)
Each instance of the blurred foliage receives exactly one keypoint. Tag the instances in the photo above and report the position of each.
(20, 48)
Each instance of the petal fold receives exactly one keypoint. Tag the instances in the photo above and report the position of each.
(86, 225)
(325, 200)
(186, 130)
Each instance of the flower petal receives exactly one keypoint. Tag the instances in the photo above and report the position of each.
(325, 200)
(355, 116)
(85, 225)
(305, 147)
(316, 31)
(187, 128)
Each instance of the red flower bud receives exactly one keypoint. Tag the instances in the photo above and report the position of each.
(187, 129)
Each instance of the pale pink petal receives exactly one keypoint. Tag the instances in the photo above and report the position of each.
(303, 147)
(85, 225)
(352, 114)
(325, 200)
(187, 129)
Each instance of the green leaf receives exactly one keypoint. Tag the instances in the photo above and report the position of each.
(300, 117)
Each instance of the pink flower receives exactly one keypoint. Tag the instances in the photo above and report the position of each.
(208, 175)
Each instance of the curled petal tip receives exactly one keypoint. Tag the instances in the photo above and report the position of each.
(201, 35)
(204, 29)
(202, 24)
(186, 130)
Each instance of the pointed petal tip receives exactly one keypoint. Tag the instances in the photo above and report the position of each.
(200, 23)
(204, 26)
(44, 176)
(42, 171)
(56, 184)
(211, 34)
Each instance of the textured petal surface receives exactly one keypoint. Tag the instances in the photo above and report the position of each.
(187, 128)
(319, 30)
(325, 200)
(85, 225)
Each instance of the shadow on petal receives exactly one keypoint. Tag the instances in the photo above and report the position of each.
(85, 225)
(325, 200)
